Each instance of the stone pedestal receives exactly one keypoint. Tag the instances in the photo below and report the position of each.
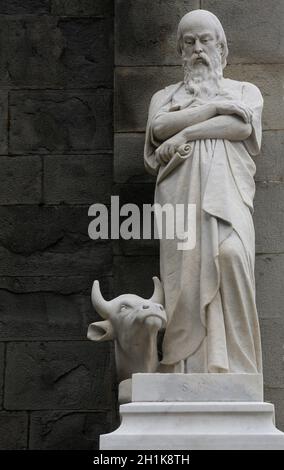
(181, 416)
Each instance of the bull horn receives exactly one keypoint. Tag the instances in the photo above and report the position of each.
(158, 295)
(99, 303)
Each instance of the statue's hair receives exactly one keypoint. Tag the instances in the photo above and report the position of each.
(220, 33)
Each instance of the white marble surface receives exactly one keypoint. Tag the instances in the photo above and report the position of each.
(133, 323)
(195, 426)
(197, 387)
(209, 290)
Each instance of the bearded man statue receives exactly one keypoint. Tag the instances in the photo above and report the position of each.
(209, 290)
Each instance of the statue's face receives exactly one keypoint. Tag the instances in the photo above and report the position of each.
(200, 42)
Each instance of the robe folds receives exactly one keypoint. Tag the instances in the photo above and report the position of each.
(210, 290)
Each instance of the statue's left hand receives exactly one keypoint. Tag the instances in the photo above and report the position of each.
(168, 148)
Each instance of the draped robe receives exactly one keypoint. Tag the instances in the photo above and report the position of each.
(210, 303)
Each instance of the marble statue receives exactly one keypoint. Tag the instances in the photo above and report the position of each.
(133, 323)
(205, 131)
(207, 391)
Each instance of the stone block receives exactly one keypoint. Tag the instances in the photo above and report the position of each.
(197, 387)
(80, 179)
(82, 7)
(253, 28)
(139, 195)
(149, 39)
(3, 123)
(270, 163)
(86, 260)
(276, 396)
(58, 375)
(51, 242)
(2, 367)
(20, 180)
(272, 333)
(268, 217)
(13, 431)
(46, 315)
(62, 285)
(60, 122)
(136, 85)
(195, 426)
(128, 159)
(52, 52)
(133, 274)
(28, 7)
(269, 275)
(268, 78)
(134, 89)
(41, 228)
(59, 430)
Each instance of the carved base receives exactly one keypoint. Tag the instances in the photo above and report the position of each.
(195, 426)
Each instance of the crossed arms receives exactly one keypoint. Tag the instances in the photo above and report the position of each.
(223, 120)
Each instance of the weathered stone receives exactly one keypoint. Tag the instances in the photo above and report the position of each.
(41, 228)
(86, 260)
(253, 28)
(133, 274)
(13, 431)
(128, 159)
(58, 375)
(134, 89)
(269, 274)
(45, 316)
(136, 85)
(272, 333)
(139, 195)
(268, 217)
(49, 52)
(2, 366)
(276, 396)
(65, 285)
(20, 180)
(67, 431)
(269, 78)
(28, 7)
(270, 163)
(82, 7)
(60, 121)
(3, 123)
(145, 38)
(80, 179)
(87, 56)
(51, 241)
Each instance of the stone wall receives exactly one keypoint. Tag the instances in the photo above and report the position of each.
(146, 60)
(57, 390)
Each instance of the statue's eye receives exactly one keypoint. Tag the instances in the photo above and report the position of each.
(123, 307)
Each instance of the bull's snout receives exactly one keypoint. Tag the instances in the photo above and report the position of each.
(154, 314)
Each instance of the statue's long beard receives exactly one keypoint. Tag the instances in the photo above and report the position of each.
(203, 80)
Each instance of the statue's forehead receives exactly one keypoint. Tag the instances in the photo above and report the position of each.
(199, 21)
(198, 26)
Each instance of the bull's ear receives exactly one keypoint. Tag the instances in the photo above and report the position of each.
(100, 331)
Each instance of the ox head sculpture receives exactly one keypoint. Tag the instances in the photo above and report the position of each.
(133, 323)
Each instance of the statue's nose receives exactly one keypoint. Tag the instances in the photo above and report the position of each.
(198, 48)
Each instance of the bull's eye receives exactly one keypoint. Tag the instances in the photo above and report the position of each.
(123, 307)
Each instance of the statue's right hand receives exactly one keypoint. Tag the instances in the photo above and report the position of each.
(233, 107)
